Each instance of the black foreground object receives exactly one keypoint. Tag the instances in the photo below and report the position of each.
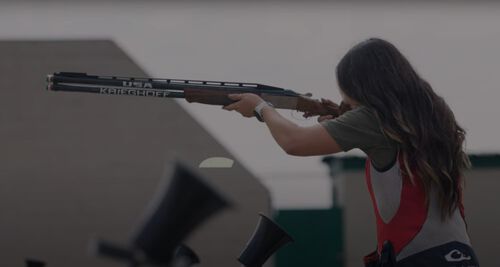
(185, 256)
(34, 263)
(267, 238)
(180, 205)
(107, 249)
(174, 212)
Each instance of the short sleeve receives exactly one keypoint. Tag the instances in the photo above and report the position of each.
(359, 128)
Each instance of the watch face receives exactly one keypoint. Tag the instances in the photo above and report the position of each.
(257, 115)
(258, 109)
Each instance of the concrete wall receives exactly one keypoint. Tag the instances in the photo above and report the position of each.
(78, 165)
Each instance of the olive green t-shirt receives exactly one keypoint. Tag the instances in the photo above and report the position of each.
(359, 128)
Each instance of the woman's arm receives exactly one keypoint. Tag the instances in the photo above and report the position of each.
(297, 140)
(293, 139)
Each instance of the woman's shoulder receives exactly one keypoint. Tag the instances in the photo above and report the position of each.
(360, 128)
(355, 128)
(360, 117)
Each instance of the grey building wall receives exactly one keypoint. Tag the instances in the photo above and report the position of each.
(481, 208)
(77, 165)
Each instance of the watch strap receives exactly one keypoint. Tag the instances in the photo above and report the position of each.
(258, 110)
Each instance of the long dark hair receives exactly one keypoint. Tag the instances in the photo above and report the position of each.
(375, 74)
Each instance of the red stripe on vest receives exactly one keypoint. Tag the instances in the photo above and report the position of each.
(409, 218)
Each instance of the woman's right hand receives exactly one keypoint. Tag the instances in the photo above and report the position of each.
(337, 110)
(341, 109)
(325, 117)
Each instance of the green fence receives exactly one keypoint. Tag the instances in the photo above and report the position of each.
(318, 235)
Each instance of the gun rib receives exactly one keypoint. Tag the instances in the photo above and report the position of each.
(153, 83)
(171, 84)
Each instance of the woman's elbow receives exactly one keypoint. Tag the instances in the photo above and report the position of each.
(295, 149)
(309, 142)
(306, 149)
(292, 151)
(291, 148)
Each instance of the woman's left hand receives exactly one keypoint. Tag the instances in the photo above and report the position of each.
(245, 104)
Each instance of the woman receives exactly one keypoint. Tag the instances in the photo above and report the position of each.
(415, 159)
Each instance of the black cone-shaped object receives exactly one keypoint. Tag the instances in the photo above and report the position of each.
(34, 263)
(184, 256)
(175, 211)
(267, 238)
(104, 248)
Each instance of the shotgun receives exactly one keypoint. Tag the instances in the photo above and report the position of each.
(205, 92)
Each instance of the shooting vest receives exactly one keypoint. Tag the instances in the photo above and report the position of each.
(402, 216)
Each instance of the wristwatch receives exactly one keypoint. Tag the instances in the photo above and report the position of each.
(258, 110)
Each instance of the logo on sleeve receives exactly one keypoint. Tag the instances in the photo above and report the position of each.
(456, 256)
